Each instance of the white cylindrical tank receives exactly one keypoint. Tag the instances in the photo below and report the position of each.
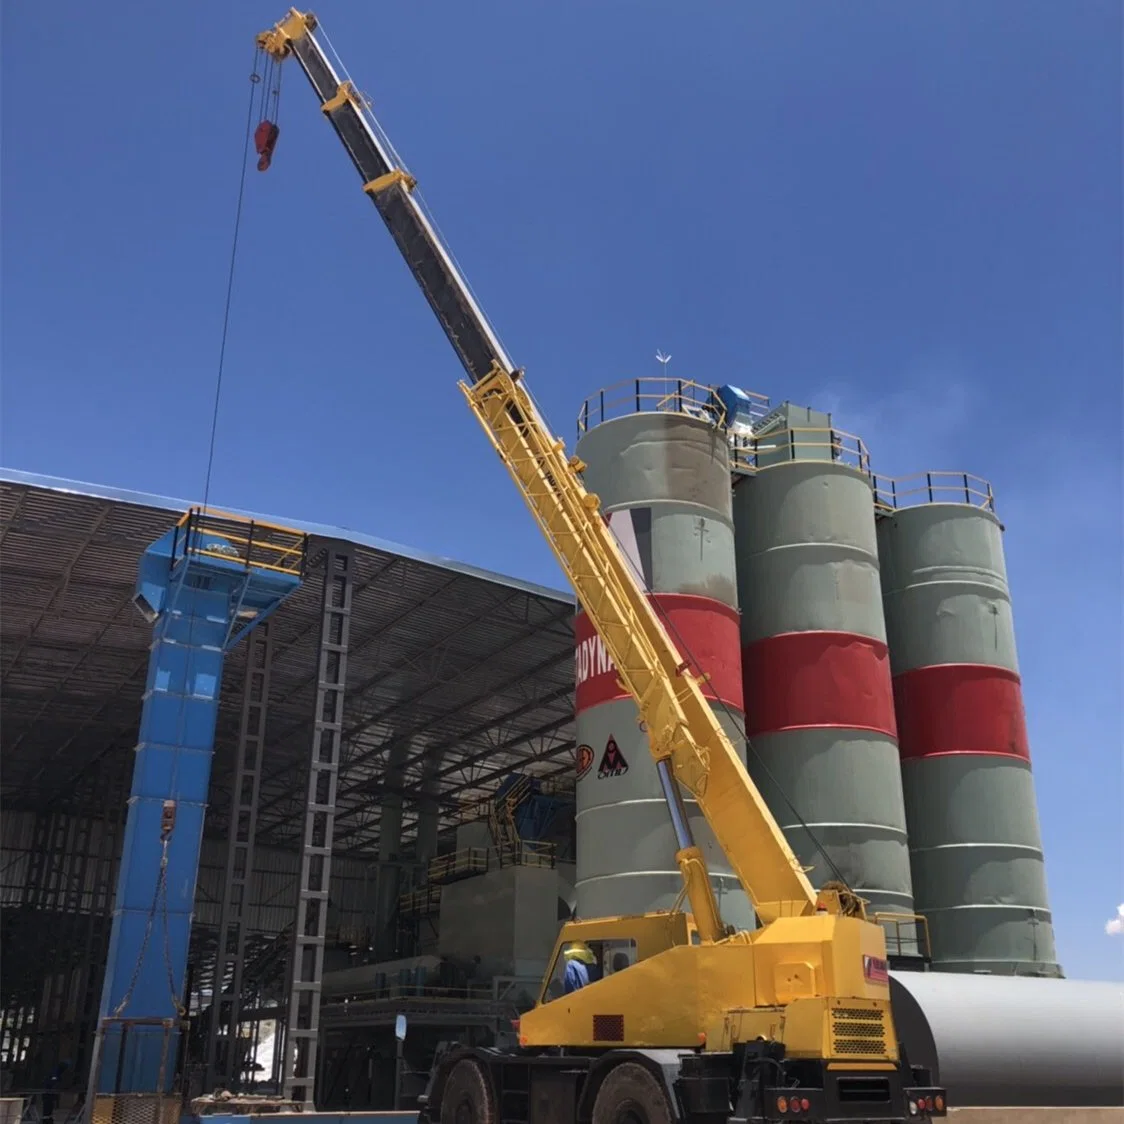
(1014, 1040)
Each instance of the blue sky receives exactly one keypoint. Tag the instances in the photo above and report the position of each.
(908, 214)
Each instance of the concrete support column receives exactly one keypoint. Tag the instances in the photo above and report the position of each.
(429, 818)
(390, 851)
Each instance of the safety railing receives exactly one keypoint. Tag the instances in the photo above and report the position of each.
(528, 852)
(417, 903)
(458, 865)
(894, 493)
(241, 541)
(659, 394)
(468, 863)
(907, 934)
(783, 446)
(427, 991)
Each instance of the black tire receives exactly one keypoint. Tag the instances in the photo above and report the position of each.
(467, 1096)
(631, 1095)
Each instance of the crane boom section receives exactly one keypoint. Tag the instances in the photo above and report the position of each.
(389, 187)
(681, 725)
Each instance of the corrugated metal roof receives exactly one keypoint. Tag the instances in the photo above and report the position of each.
(464, 675)
(321, 530)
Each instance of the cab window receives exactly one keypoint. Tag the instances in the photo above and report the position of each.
(607, 956)
(616, 955)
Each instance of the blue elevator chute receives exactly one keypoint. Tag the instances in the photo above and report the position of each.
(203, 586)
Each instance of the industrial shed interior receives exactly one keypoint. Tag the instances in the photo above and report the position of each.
(459, 706)
(421, 769)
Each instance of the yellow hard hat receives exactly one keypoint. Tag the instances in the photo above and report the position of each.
(579, 950)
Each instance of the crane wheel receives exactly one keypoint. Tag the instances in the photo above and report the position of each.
(467, 1096)
(630, 1095)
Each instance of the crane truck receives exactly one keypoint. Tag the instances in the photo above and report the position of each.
(706, 1025)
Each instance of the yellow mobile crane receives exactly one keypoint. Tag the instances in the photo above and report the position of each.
(791, 1021)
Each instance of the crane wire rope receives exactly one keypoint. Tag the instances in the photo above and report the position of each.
(255, 80)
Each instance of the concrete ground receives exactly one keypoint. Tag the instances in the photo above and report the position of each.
(1037, 1115)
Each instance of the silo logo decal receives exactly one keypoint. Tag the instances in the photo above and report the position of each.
(613, 763)
(591, 658)
(583, 760)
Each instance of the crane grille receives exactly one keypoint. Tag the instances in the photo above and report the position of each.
(858, 1031)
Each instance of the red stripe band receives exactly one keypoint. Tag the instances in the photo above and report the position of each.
(704, 630)
(961, 708)
(805, 680)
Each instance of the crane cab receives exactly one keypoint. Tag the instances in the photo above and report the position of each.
(615, 943)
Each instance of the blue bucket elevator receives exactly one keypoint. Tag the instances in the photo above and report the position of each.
(204, 585)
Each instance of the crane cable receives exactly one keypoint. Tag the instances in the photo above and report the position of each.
(255, 81)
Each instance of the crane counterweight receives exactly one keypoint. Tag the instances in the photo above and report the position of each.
(702, 1023)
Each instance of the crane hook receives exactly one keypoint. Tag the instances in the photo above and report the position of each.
(265, 141)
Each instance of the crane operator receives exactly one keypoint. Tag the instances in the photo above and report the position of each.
(579, 959)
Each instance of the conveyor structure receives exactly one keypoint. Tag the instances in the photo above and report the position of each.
(203, 586)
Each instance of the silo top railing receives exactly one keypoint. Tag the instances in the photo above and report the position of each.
(658, 394)
(894, 493)
(782, 446)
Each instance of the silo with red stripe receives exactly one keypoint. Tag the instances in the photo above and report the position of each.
(819, 704)
(976, 849)
(661, 469)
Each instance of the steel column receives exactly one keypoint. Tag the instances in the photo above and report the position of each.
(307, 962)
(222, 1055)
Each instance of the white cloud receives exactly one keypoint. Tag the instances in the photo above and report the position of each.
(1115, 927)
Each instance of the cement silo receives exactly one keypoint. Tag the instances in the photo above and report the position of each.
(975, 845)
(819, 702)
(662, 471)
